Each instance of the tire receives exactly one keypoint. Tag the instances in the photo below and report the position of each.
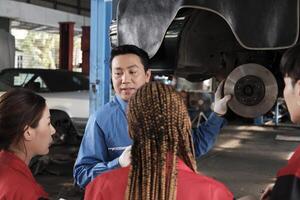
(65, 130)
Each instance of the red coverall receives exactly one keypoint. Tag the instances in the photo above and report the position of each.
(287, 185)
(190, 186)
(17, 181)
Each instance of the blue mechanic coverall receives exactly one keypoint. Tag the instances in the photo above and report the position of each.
(106, 135)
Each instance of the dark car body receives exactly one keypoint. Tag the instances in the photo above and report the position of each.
(66, 93)
(43, 80)
(198, 39)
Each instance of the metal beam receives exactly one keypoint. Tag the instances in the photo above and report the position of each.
(101, 12)
(5, 23)
(66, 33)
(55, 4)
(78, 7)
(85, 48)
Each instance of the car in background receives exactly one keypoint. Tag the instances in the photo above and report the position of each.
(66, 93)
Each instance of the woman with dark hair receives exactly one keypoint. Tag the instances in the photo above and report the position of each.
(163, 159)
(287, 184)
(25, 131)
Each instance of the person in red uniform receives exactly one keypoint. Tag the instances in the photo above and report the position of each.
(25, 131)
(287, 184)
(163, 159)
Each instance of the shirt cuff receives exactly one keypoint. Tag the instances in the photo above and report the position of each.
(217, 119)
(114, 163)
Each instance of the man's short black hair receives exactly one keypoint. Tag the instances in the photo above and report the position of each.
(290, 63)
(131, 49)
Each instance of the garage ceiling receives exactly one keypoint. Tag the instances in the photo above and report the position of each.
(14, 24)
(80, 7)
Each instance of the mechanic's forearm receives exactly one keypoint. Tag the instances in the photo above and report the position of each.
(85, 173)
(205, 135)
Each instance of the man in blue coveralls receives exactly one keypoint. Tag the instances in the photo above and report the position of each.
(106, 144)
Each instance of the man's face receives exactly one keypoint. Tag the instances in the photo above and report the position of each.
(128, 75)
(291, 95)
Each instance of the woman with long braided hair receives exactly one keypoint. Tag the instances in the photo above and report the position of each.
(163, 159)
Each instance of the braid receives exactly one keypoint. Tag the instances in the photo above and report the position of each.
(161, 130)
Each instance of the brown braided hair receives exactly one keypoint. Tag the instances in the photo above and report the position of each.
(161, 130)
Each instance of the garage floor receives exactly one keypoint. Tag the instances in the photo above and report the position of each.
(245, 158)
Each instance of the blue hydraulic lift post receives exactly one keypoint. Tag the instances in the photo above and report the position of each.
(101, 14)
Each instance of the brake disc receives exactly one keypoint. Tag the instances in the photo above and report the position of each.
(253, 88)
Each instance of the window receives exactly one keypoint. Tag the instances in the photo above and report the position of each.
(20, 79)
